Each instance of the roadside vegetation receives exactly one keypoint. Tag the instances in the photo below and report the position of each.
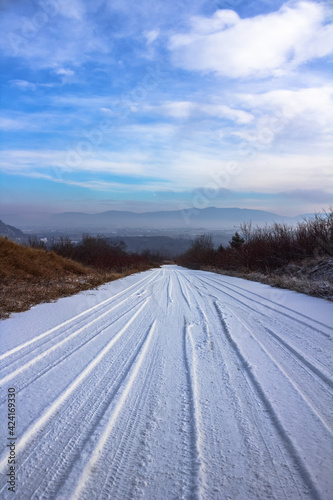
(33, 274)
(297, 257)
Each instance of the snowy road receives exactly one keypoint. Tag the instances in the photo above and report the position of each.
(170, 384)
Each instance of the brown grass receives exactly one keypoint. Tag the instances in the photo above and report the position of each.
(30, 276)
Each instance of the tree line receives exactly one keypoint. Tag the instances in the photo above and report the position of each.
(264, 248)
(99, 252)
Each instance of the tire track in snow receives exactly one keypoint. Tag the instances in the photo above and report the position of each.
(213, 372)
(325, 344)
(215, 447)
(92, 464)
(318, 370)
(327, 335)
(307, 318)
(182, 291)
(55, 406)
(102, 399)
(204, 323)
(286, 440)
(94, 310)
(240, 418)
(191, 402)
(59, 359)
(169, 292)
(131, 456)
(300, 381)
(195, 286)
(320, 373)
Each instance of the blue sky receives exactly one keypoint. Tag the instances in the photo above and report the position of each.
(157, 105)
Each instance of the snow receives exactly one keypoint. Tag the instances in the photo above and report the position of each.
(170, 384)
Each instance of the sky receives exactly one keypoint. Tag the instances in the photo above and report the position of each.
(157, 105)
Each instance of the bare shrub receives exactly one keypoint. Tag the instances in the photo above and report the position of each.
(200, 252)
(265, 251)
(101, 253)
(34, 242)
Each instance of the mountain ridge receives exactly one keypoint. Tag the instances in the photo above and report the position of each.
(11, 232)
(209, 218)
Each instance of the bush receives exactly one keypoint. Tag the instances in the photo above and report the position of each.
(200, 252)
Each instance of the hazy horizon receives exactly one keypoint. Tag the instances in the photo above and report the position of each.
(156, 106)
(160, 222)
(152, 210)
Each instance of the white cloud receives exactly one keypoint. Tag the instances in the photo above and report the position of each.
(317, 101)
(176, 109)
(41, 122)
(74, 161)
(75, 9)
(81, 102)
(107, 111)
(219, 21)
(64, 72)
(26, 85)
(303, 117)
(272, 173)
(23, 84)
(260, 46)
(266, 173)
(184, 171)
(221, 111)
(151, 35)
(52, 34)
(10, 124)
(187, 109)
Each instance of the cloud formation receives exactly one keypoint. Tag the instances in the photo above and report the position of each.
(162, 96)
(188, 109)
(261, 46)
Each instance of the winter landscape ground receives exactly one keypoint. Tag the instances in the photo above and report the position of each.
(170, 384)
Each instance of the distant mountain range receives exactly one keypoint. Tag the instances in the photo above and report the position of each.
(206, 219)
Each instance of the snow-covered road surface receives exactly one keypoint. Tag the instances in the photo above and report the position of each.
(170, 384)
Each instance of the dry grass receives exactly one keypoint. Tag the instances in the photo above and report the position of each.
(30, 276)
(24, 263)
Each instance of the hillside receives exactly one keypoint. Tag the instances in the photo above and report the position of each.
(24, 263)
(30, 276)
(11, 232)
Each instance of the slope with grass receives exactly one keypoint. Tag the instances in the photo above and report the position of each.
(30, 276)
